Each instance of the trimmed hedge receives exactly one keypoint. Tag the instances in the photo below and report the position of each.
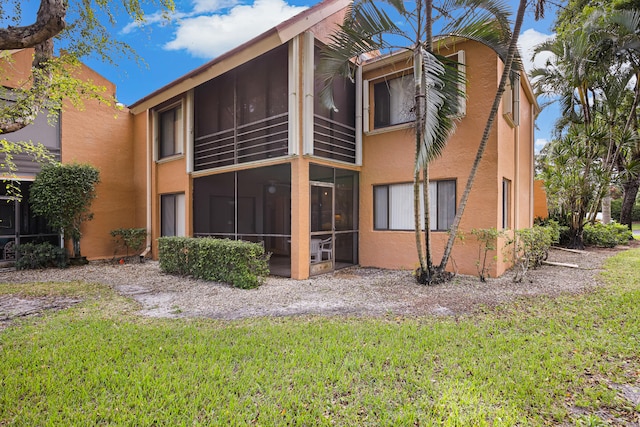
(241, 264)
(607, 236)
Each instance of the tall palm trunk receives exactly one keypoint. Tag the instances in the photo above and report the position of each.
(506, 74)
(425, 263)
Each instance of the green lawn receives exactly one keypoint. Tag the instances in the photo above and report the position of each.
(534, 362)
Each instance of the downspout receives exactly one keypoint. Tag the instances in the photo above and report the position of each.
(532, 166)
(516, 178)
(149, 159)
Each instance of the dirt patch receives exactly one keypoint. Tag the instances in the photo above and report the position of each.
(353, 292)
(12, 307)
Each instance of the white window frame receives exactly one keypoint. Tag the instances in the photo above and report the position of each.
(511, 100)
(177, 213)
(393, 206)
(179, 133)
(506, 203)
(462, 85)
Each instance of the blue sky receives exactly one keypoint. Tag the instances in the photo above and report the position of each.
(200, 30)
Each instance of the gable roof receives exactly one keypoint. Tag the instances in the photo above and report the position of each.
(253, 48)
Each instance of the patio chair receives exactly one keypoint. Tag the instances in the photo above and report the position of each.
(326, 247)
(316, 255)
(9, 250)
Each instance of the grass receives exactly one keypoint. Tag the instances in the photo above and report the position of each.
(533, 362)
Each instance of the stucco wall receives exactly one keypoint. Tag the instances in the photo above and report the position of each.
(540, 210)
(102, 136)
(388, 158)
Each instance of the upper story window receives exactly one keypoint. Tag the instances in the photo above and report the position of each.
(394, 101)
(511, 100)
(170, 132)
(394, 96)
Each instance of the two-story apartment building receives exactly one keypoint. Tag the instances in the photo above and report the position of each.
(242, 148)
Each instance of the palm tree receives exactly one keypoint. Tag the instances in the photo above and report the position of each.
(369, 28)
(506, 74)
(594, 67)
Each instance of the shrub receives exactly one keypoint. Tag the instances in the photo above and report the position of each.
(130, 239)
(40, 255)
(530, 247)
(241, 264)
(487, 241)
(606, 236)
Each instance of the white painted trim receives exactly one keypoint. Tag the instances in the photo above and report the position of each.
(150, 138)
(462, 86)
(366, 107)
(308, 91)
(359, 116)
(294, 81)
(188, 124)
(532, 167)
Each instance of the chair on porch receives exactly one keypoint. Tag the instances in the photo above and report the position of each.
(326, 247)
(9, 250)
(316, 255)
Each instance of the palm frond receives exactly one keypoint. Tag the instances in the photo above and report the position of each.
(361, 33)
(438, 124)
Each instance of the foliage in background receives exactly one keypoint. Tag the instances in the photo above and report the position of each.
(593, 75)
(487, 242)
(129, 239)
(616, 207)
(529, 247)
(241, 264)
(62, 194)
(572, 176)
(40, 255)
(607, 236)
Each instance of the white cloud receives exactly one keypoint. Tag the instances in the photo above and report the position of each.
(540, 143)
(527, 42)
(208, 6)
(208, 35)
(161, 18)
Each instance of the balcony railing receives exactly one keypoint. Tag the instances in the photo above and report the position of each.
(333, 140)
(262, 139)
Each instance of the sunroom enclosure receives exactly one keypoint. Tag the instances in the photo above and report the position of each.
(245, 143)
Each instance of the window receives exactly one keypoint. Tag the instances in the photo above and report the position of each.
(511, 100)
(506, 204)
(172, 215)
(394, 101)
(170, 132)
(456, 63)
(393, 206)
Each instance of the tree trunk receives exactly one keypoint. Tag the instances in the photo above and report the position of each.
(49, 22)
(506, 74)
(606, 209)
(575, 238)
(628, 201)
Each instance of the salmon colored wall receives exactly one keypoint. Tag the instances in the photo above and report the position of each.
(141, 169)
(541, 210)
(388, 159)
(15, 68)
(103, 137)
